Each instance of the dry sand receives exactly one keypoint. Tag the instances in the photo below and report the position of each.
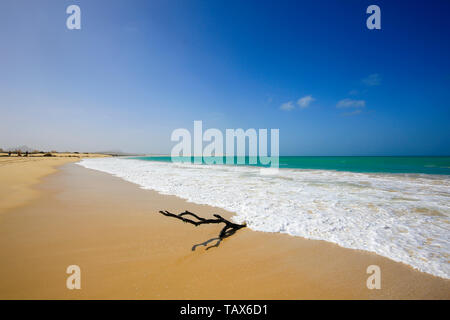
(127, 250)
(19, 174)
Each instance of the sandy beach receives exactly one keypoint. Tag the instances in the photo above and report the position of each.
(55, 214)
(19, 174)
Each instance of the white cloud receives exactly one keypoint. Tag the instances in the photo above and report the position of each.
(372, 80)
(288, 106)
(305, 101)
(353, 92)
(350, 103)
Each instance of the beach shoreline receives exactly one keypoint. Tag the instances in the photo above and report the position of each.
(127, 250)
(403, 218)
(18, 175)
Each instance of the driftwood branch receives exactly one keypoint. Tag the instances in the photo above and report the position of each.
(228, 230)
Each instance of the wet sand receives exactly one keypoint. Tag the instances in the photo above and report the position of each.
(127, 250)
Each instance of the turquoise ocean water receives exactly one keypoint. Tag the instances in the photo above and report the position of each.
(423, 165)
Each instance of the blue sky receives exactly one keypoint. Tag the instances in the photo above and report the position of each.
(137, 70)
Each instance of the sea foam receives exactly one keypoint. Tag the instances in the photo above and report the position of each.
(404, 217)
